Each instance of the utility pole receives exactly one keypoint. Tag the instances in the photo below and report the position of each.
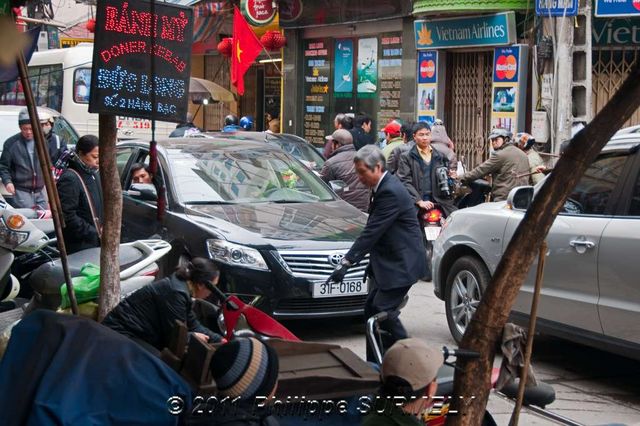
(562, 118)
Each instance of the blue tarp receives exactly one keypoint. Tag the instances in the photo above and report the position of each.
(61, 369)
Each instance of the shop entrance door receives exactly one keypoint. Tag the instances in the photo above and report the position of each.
(468, 104)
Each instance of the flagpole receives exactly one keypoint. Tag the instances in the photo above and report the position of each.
(272, 61)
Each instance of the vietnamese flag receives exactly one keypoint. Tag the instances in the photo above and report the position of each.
(246, 48)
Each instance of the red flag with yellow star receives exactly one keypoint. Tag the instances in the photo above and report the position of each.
(246, 48)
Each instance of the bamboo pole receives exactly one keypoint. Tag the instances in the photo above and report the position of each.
(45, 164)
(532, 328)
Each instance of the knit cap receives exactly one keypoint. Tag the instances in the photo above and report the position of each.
(245, 367)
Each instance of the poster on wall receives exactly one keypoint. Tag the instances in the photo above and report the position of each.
(317, 76)
(509, 88)
(427, 86)
(390, 77)
(367, 65)
(343, 66)
(128, 43)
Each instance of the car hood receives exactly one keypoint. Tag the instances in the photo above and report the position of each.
(282, 224)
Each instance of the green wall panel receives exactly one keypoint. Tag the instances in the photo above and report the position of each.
(427, 6)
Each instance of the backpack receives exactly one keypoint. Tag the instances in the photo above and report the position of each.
(62, 164)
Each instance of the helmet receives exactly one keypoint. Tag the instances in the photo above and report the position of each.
(524, 141)
(44, 116)
(499, 132)
(23, 116)
(246, 122)
(231, 120)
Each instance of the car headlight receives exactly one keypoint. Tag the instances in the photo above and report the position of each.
(236, 254)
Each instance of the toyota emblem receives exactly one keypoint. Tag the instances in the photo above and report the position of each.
(335, 258)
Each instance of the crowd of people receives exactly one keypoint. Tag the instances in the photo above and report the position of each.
(394, 180)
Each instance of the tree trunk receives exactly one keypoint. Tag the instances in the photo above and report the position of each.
(112, 205)
(484, 330)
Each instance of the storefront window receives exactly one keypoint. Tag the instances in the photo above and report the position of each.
(351, 76)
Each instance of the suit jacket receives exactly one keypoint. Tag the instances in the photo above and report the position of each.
(393, 237)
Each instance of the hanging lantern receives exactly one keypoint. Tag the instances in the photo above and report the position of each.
(225, 46)
(273, 40)
(91, 25)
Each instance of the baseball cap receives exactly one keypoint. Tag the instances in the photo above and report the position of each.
(412, 360)
(342, 136)
(392, 128)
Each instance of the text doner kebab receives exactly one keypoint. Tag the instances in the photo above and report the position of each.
(133, 22)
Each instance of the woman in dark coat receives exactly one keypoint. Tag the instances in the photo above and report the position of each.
(149, 315)
(82, 228)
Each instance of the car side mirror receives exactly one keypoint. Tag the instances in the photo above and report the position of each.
(338, 186)
(143, 192)
(520, 197)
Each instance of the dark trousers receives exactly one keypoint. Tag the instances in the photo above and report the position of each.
(389, 301)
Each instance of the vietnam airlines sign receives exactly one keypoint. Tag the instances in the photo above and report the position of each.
(487, 30)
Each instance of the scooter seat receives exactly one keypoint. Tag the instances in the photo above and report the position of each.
(539, 395)
(46, 279)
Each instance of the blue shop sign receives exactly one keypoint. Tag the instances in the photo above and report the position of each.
(487, 30)
(557, 7)
(611, 8)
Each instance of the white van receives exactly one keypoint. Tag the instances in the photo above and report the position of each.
(60, 79)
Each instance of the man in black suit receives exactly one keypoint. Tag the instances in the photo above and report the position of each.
(393, 238)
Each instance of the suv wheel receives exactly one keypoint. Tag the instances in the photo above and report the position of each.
(466, 282)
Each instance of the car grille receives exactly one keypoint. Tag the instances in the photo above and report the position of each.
(316, 266)
(326, 306)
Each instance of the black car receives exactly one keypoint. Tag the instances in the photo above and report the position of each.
(275, 229)
(292, 144)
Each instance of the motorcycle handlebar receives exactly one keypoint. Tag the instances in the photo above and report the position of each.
(459, 353)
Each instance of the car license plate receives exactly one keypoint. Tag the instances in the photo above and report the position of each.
(432, 232)
(345, 288)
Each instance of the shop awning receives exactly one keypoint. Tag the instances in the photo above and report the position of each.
(427, 6)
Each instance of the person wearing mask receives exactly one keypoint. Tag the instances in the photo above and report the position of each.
(440, 141)
(55, 144)
(20, 169)
(417, 170)
(409, 370)
(361, 131)
(392, 138)
(340, 167)
(81, 197)
(342, 121)
(525, 142)
(140, 173)
(186, 128)
(393, 238)
(406, 132)
(148, 316)
(508, 166)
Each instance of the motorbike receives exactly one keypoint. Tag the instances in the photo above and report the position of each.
(536, 398)
(20, 235)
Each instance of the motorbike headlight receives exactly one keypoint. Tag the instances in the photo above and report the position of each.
(236, 254)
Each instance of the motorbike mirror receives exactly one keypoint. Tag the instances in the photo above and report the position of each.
(143, 191)
(338, 186)
(520, 197)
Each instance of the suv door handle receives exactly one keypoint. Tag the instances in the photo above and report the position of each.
(582, 243)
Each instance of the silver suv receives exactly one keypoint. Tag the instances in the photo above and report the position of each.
(591, 292)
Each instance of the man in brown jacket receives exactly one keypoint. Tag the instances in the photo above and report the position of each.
(508, 166)
(340, 166)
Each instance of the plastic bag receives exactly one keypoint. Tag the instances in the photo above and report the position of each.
(86, 286)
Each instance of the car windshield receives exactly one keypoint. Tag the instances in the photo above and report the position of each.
(248, 176)
(302, 150)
